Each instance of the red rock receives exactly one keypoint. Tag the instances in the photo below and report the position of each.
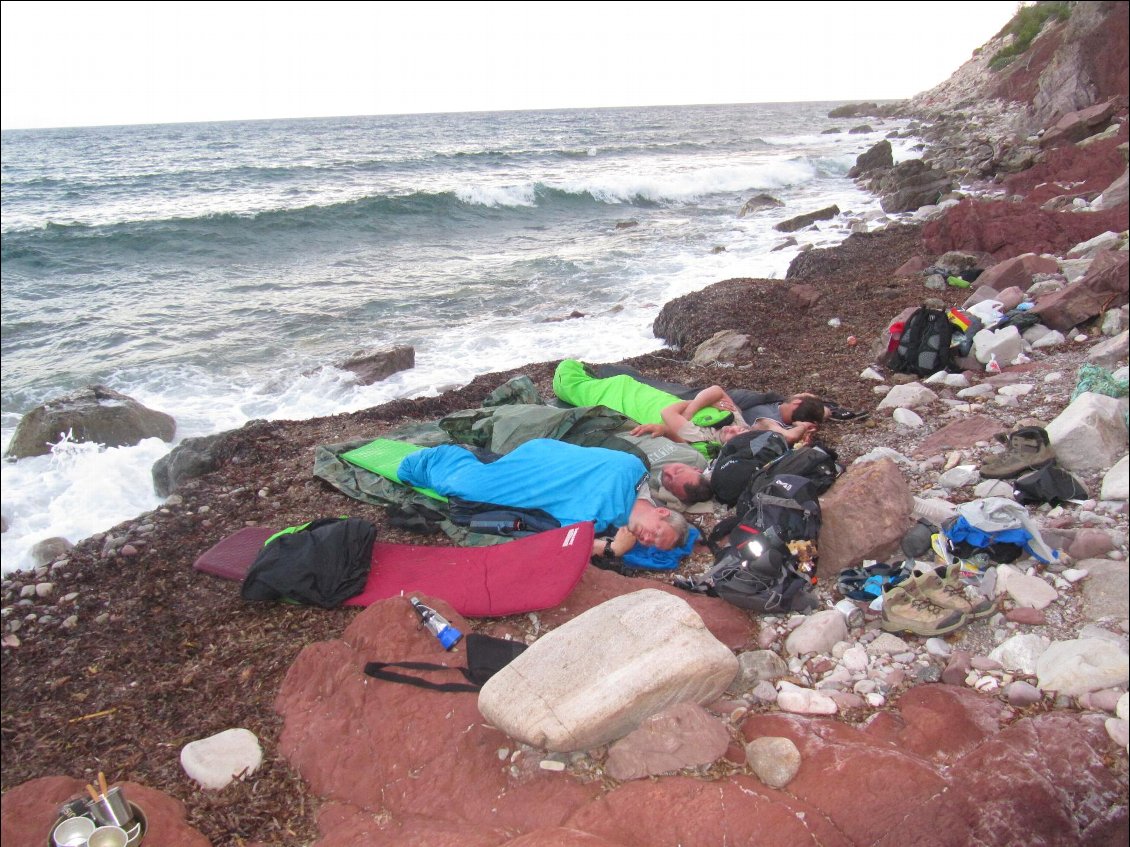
(1007, 229)
(682, 736)
(1029, 617)
(29, 810)
(1017, 271)
(959, 434)
(726, 622)
(1075, 126)
(400, 751)
(912, 266)
(1105, 286)
(802, 296)
(864, 516)
(957, 667)
(696, 813)
(1090, 544)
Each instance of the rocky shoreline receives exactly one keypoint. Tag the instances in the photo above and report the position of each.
(118, 654)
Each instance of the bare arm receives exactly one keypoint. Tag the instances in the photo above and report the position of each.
(679, 414)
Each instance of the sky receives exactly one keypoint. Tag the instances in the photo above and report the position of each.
(99, 63)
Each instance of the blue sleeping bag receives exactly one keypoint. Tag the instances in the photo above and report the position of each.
(569, 482)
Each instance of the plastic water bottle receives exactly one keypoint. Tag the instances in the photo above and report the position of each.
(437, 624)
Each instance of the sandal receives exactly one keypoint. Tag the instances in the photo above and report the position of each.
(836, 412)
(1028, 448)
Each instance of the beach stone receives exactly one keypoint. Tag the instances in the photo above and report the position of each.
(855, 659)
(764, 692)
(369, 366)
(1089, 435)
(1049, 339)
(95, 414)
(1026, 615)
(757, 665)
(961, 434)
(1021, 694)
(759, 202)
(1106, 591)
(682, 736)
(48, 550)
(818, 633)
(217, 760)
(1111, 354)
(912, 395)
(887, 644)
(724, 346)
(807, 219)
(1084, 664)
(959, 477)
(774, 760)
(864, 516)
(1024, 589)
(600, 675)
(804, 701)
(1089, 544)
(1119, 731)
(908, 418)
(1020, 652)
(1116, 481)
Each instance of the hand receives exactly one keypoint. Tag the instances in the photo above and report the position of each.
(623, 542)
(649, 429)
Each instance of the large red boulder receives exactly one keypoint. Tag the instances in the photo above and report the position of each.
(1104, 286)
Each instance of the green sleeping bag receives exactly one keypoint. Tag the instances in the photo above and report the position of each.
(382, 457)
(642, 403)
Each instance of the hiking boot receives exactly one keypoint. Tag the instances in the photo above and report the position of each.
(908, 611)
(949, 593)
(1028, 447)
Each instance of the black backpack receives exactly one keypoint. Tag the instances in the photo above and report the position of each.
(757, 569)
(924, 347)
(740, 458)
(815, 463)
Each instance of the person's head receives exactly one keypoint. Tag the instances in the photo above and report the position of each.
(725, 433)
(656, 526)
(687, 483)
(803, 408)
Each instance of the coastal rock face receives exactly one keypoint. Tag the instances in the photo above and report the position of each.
(1005, 230)
(1103, 286)
(911, 185)
(96, 414)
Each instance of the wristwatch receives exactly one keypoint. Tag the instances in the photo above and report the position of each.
(607, 552)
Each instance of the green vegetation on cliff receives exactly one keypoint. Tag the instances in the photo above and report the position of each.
(1025, 26)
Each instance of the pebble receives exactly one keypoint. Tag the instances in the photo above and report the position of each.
(1025, 615)
(938, 647)
(551, 765)
(875, 701)
(774, 760)
(886, 644)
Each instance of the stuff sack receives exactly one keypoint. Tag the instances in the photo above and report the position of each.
(815, 463)
(322, 563)
(924, 347)
(740, 458)
(1049, 484)
(486, 656)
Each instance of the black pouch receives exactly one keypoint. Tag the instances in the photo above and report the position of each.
(486, 656)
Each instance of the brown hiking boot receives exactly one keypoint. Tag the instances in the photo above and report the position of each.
(1028, 447)
(950, 594)
(908, 611)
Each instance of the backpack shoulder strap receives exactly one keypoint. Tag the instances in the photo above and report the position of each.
(377, 670)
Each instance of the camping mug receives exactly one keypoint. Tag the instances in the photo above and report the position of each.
(851, 612)
(108, 836)
(112, 809)
(73, 832)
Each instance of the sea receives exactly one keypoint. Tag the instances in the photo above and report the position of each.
(219, 271)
